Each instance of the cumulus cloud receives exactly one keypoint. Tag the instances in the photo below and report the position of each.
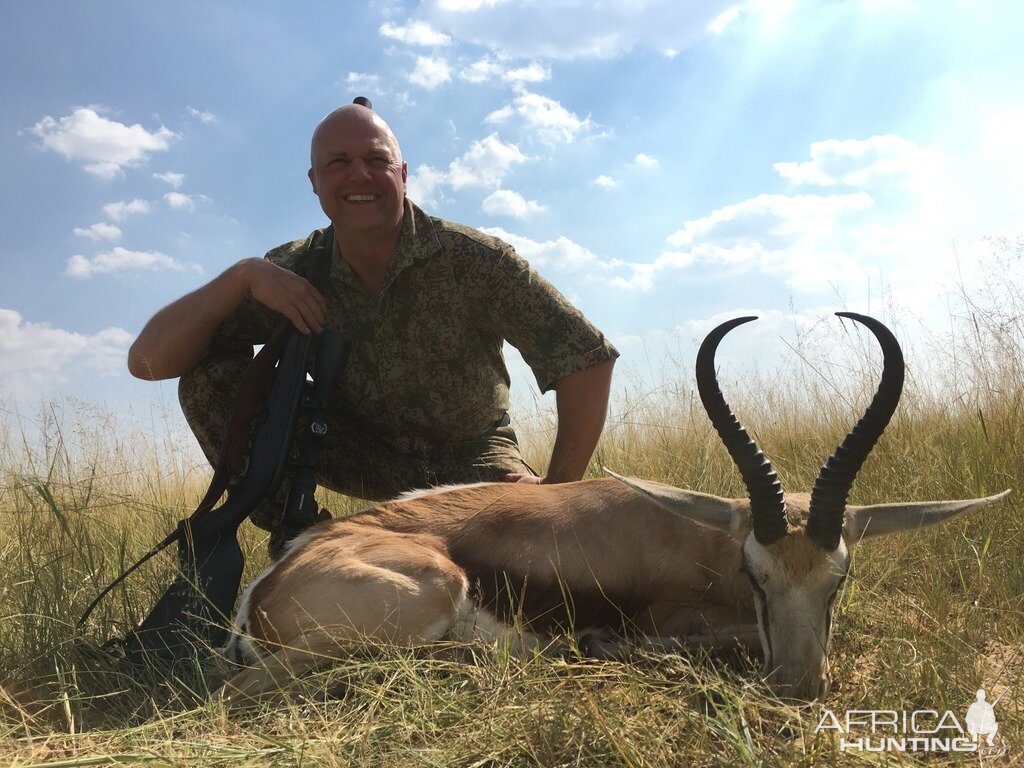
(505, 202)
(363, 81)
(560, 254)
(533, 72)
(484, 164)
(777, 220)
(462, 6)
(181, 201)
(482, 70)
(645, 161)
(101, 231)
(122, 210)
(201, 116)
(798, 237)
(120, 260)
(539, 29)
(37, 353)
(605, 182)
(105, 147)
(174, 179)
(424, 185)
(415, 33)
(430, 72)
(496, 68)
(862, 162)
(546, 116)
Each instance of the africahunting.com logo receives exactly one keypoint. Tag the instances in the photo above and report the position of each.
(921, 730)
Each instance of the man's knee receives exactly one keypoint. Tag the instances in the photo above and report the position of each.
(207, 394)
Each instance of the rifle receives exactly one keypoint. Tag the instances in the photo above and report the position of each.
(197, 606)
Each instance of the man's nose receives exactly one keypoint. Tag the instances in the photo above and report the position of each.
(359, 169)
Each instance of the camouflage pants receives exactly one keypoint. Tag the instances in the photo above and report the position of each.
(359, 463)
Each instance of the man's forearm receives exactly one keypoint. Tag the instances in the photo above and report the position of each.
(176, 338)
(582, 403)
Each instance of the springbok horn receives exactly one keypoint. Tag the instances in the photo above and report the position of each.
(767, 506)
(831, 489)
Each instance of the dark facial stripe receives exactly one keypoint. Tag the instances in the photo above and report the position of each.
(762, 600)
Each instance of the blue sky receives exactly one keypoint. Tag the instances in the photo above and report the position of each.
(665, 163)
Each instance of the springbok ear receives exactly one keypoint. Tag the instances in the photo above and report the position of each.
(883, 519)
(700, 507)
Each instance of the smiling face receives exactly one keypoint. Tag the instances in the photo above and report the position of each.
(357, 172)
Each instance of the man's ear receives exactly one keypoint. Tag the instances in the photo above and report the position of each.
(312, 179)
(405, 173)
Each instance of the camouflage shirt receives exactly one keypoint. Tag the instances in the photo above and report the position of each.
(426, 369)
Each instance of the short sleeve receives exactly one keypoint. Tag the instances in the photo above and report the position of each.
(553, 336)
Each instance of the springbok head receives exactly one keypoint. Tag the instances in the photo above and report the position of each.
(795, 551)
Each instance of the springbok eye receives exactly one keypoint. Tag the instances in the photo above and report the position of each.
(754, 583)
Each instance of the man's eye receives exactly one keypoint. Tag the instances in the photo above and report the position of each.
(379, 162)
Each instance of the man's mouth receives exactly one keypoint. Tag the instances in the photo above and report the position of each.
(360, 198)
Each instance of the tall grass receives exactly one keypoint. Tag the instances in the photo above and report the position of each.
(927, 619)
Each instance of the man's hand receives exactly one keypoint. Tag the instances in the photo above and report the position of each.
(177, 337)
(285, 292)
(517, 477)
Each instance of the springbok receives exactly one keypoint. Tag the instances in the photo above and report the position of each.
(605, 559)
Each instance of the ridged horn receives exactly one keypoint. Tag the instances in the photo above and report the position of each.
(831, 489)
(767, 506)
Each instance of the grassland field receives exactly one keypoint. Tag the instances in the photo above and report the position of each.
(927, 619)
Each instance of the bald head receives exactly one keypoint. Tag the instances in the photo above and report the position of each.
(355, 118)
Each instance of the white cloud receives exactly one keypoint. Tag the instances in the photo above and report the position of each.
(775, 220)
(34, 354)
(122, 210)
(414, 33)
(645, 161)
(462, 6)
(802, 238)
(565, 29)
(482, 70)
(605, 182)
(174, 179)
(121, 259)
(860, 163)
(105, 147)
(430, 72)
(180, 202)
(534, 72)
(101, 231)
(546, 116)
(560, 254)
(201, 116)
(505, 202)
(491, 68)
(362, 80)
(424, 184)
(724, 20)
(484, 164)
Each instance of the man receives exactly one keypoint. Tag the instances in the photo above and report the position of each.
(426, 304)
